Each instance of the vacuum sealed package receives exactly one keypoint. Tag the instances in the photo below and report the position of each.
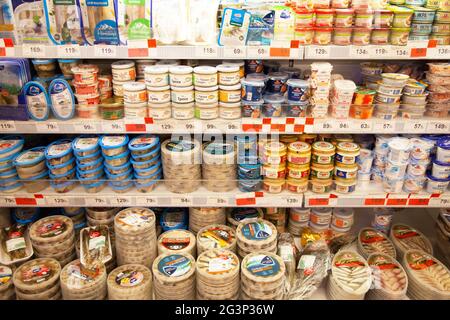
(29, 21)
(288, 252)
(202, 26)
(7, 21)
(95, 245)
(169, 21)
(15, 244)
(63, 22)
(98, 22)
(62, 99)
(260, 31)
(37, 101)
(284, 23)
(312, 268)
(234, 28)
(133, 19)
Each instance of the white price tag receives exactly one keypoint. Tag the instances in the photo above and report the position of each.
(7, 201)
(439, 202)
(209, 126)
(96, 202)
(113, 126)
(295, 201)
(323, 125)
(69, 51)
(85, 127)
(233, 126)
(378, 52)
(206, 52)
(46, 127)
(121, 201)
(386, 126)
(342, 125)
(105, 51)
(7, 126)
(235, 52)
(34, 50)
(166, 127)
(192, 126)
(359, 52)
(57, 201)
(182, 201)
(146, 201)
(258, 52)
(413, 126)
(441, 52)
(361, 126)
(216, 201)
(400, 52)
(438, 127)
(318, 52)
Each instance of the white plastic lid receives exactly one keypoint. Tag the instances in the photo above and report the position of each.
(344, 85)
(122, 64)
(213, 88)
(399, 143)
(156, 69)
(189, 88)
(233, 87)
(134, 86)
(227, 68)
(180, 69)
(164, 88)
(205, 70)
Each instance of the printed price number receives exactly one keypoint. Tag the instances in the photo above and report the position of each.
(443, 51)
(166, 126)
(207, 52)
(216, 201)
(323, 126)
(343, 125)
(291, 200)
(234, 52)
(384, 126)
(183, 201)
(258, 52)
(211, 126)
(47, 127)
(89, 127)
(69, 51)
(101, 51)
(189, 126)
(379, 52)
(7, 126)
(113, 127)
(401, 52)
(145, 201)
(34, 50)
(123, 201)
(321, 52)
(232, 126)
(413, 126)
(96, 201)
(359, 52)
(57, 201)
(7, 201)
(365, 126)
(439, 127)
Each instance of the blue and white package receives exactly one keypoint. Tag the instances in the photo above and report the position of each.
(29, 21)
(174, 218)
(260, 30)
(62, 99)
(37, 101)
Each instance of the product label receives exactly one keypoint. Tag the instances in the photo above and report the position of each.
(172, 219)
(174, 265)
(6, 144)
(263, 266)
(256, 231)
(85, 143)
(106, 32)
(222, 264)
(129, 278)
(348, 260)
(142, 142)
(219, 236)
(62, 100)
(371, 236)
(36, 102)
(30, 156)
(36, 273)
(180, 146)
(176, 243)
(51, 229)
(306, 263)
(403, 232)
(419, 261)
(15, 244)
(5, 275)
(136, 219)
(76, 271)
(96, 240)
(112, 141)
(59, 149)
(383, 263)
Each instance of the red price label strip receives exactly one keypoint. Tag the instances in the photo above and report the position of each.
(374, 202)
(396, 202)
(135, 127)
(278, 127)
(299, 128)
(251, 127)
(148, 120)
(318, 202)
(280, 52)
(432, 43)
(246, 201)
(2, 52)
(26, 201)
(137, 52)
(418, 202)
(152, 43)
(418, 52)
(295, 44)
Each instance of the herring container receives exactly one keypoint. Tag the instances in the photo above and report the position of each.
(252, 90)
(117, 169)
(113, 145)
(440, 170)
(59, 152)
(121, 188)
(347, 153)
(36, 183)
(443, 150)
(436, 185)
(392, 185)
(95, 163)
(148, 172)
(414, 87)
(89, 174)
(144, 164)
(143, 145)
(399, 149)
(297, 90)
(94, 187)
(273, 105)
(414, 99)
(119, 159)
(387, 98)
(89, 158)
(252, 109)
(10, 145)
(389, 90)
(62, 168)
(85, 145)
(30, 162)
(394, 79)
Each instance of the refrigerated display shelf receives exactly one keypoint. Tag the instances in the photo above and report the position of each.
(243, 125)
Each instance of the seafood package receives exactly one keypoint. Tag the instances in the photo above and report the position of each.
(372, 241)
(7, 21)
(98, 22)
(95, 245)
(63, 22)
(350, 277)
(407, 238)
(133, 20)
(169, 21)
(234, 28)
(37, 101)
(29, 21)
(389, 280)
(15, 244)
(429, 279)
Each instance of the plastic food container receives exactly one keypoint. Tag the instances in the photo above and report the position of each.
(346, 171)
(320, 216)
(322, 36)
(180, 76)
(386, 111)
(182, 94)
(59, 152)
(66, 65)
(252, 90)
(122, 188)
(421, 28)
(304, 18)
(392, 185)
(440, 170)
(274, 185)
(299, 152)
(297, 171)
(346, 153)
(414, 184)
(158, 94)
(274, 171)
(344, 185)
(206, 95)
(31, 162)
(112, 110)
(324, 171)
(324, 17)
(399, 149)
(395, 170)
(436, 185)
(143, 145)
(383, 18)
(45, 68)
(399, 36)
(304, 35)
(422, 15)
(85, 74)
(380, 36)
(322, 152)
(297, 185)
(88, 89)
(135, 92)
(113, 145)
(205, 76)
(443, 150)
(395, 79)
(297, 90)
(159, 111)
(321, 185)
(389, 90)
(414, 88)
(342, 36)
(10, 145)
(344, 18)
(415, 99)
(37, 183)
(156, 76)
(363, 18)
(123, 70)
(230, 94)
(183, 111)
(206, 111)
(228, 74)
(252, 109)
(273, 105)
(402, 17)
(229, 110)
(62, 168)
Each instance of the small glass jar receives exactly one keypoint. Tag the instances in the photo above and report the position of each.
(182, 94)
(156, 76)
(134, 92)
(183, 111)
(206, 95)
(158, 94)
(206, 111)
(230, 94)
(205, 76)
(160, 111)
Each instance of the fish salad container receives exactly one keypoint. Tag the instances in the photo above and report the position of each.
(436, 185)
(62, 168)
(399, 149)
(347, 153)
(89, 159)
(118, 160)
(415, 99)
(440, 170)
(389, 90)
(36, 183)
(417, 167)
(158, 94)
(182, 94)
(30, 162)
(99, 177)
(273, 105)
(414, 87)
(62, 99)
(94, 187)
(342, 185)
(143, 145)
(59, 152)
(113, 145)
(443, 150)
(143, 180)
(45, 68)
(146, 163)
(402, 17)
(344, 171)
(180, 76)
(148, 172)
(228, 74)
(414, 184)
(205, 76)
(387, 98)
(421, 29)
(422, 15)
(394, 79)
(88, 174)
(133, 20)
(252, 109)
(146, 187)
(297, 90)
(252, 90)
(85, 74)
(89, 165)
(10, 145)
(206, 95)
(85, 145)
(117, 169)
(121, 188)
(37, 101)
(104, 22)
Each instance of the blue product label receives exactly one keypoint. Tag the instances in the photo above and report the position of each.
(251, 93)
(97, 3)
(276, 86)
(180, 146)
(237, 17)
(272, 110)
(256, 231)
(106, 32)
(174, 265)
(175, 219)
(297, 94)
(263, 266)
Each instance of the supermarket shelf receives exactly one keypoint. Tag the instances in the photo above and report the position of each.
(243, 125)
(374, 196)
(291, 50)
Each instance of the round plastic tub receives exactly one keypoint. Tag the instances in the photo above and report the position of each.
(206, 111)
(113, 144)
(228, 74)
(299, 152)
(322, 36)
(183, 111)
(59, 152)
(118, 160)
(386, 111)
(440, 170)
(320, 185)
(117, 169)
(229, 111)
(343, 18)
(10, 145)
(304, 35)
(414, 184)
(30, 162)
(156, 76)
(274, 185)
(412, 111)
(36, 183)
(62, 168)
(252, 90)
(123, 70)
(392, 185)
(159, 111)
(230, 94)
(89, 174)
(342, 36)
(304, 18)
(324, 171)
(206, 95)
(89, 159)
(205, 76)
(436, 185)
(322, 152)
(273, 105)
(402, 17)
(395, 79)
(297, 185)
(142, 165)
(387, 98)
(383, 18)
(346, 153)
(182, 94)
(143, 145)
(443, 150)
(85, 74)
(180, 76)
(344, 185)
(45, 68)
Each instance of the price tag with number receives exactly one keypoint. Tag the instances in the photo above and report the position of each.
(146, 201)
(293, 201)
(413, 126)
(399, 52)
(182, 201)
(232, 126)
(216, 201)
(361, 126)
(206, 52)
(7, 201)
(85, 127)
(323, 125)
(57, 201)
(96, 201)
(342, 125)
(34, 50)
(122, 201)
(442, 52)
(440, 202)
(166, 127)
(69, 51)
(235, 52)
(384, 126)
(359, 52)
(258, 52)
(318, 52)
(113, 126)
(46, 127)
(378, 52)
(192, 126)
(105, 51)
(438, 127)
(7, 126)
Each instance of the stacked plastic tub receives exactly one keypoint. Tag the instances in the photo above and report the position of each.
(219, 166)
(320, 82)
(59, 157)
(341, 98)
(249, 168)
(31, 167)
(89, 163)
(10, 146)
(146, 160)
(439, 176)
(438, 77)
(86, 90)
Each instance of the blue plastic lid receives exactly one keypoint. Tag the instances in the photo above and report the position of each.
(100, 168)
(43, 61)
(68, 60)
(9, 160)
(9, 143)
(444, 164)
(158, 158)
(92, 155)
(85, 143)
(143, 142)
(93, 163)
(28, 211)
(62, 165)
(80, 225)
(57, 176)
(37, 177)
(93, 185)
(246, 166)
(444, 144)
(278, 75)
(30, 157)
(173, 218)
(58, 149)
(3, 182)
(137, 157)
(9, 165)
(110, 167)
(113, 176)
(113, 141)
(139, 185)
(120, 187)
(8, 173)
(118, 156)
(97, 177)
(432, 137)
(429, 176)
(158, 172)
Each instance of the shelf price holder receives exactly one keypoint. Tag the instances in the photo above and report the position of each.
(141, 48)
(7, 126)
(34, 50)
(69, 51)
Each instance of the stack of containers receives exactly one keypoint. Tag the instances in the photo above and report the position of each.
(320, 81)
(251, 94)
(229, 77)
(158, 92)
(277, 216)
(206, 93)
(117, 156)
(298, 166)
(341, 98)
(364, 161)
(7, 291)
(380, 157)
(346, 167)
(438, 77)
(219, 167)
(249, 168)
(422, 20)
(146, 160)
(320, 220)
(399, 150)
(216, 236)
(389, 92)
(182, 91)
(371, 74)
(59, 158)
(30, 166)
(10, 146)
(419, 161)
(123, 71)
(341, 221)
(322, 168)
(297, 98)
(439, 177)
(86, 85)
(362, 104)
(260, 235)
(177, 241)
(298, 220)
(202, 217)
(130, 282)
(89, 163)
(274, 166)
(274, 99)
(135, 100)
(441, 26)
